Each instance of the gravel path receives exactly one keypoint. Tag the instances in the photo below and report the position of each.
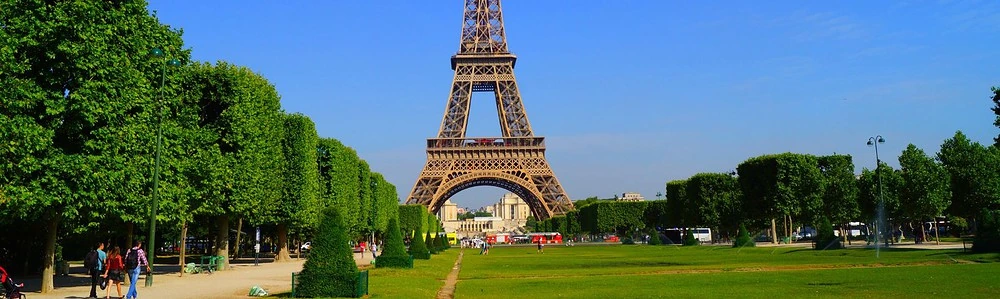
(448, 290)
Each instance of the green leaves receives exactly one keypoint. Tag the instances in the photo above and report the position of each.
(925, 192)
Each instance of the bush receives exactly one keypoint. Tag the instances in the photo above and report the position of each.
(825, 239)
(743, 238)
(958, 226)
(654, 237)
(689, 239)
(987, 233)
(394, 251)
(418, 249)
(441, 243)
(330, 270)
(431, 246)
(628, 241)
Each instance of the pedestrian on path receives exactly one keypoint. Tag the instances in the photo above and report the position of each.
(115, 271)
(135, 260)
(95, 266)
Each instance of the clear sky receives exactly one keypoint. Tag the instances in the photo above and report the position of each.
(629, 94)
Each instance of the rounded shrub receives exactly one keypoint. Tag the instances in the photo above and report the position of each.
(330, 270)
(394, 251)
(418, 249)
(743, 238)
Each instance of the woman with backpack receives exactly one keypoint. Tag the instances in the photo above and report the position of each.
(114, 271)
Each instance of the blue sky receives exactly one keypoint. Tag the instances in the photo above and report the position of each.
(629, 94)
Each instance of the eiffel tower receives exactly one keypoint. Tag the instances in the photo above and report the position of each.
(516, 161)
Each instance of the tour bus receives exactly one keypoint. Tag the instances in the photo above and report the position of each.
(546, 237)
(702, 234)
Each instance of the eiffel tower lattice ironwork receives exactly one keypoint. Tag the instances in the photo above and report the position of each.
(516, 161)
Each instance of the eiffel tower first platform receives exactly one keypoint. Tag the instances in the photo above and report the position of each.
(516, 161)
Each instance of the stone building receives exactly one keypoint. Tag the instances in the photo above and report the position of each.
(510, 214)
(631, 196)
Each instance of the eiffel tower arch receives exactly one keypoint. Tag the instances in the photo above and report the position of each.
(515, 161)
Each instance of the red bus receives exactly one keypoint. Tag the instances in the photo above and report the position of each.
(546, 237)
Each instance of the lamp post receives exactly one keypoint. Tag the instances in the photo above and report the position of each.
(880, 213)
(156, 168)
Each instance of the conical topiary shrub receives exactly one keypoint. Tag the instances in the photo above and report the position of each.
(825, 239)
(418, 249)
(654, 237)
(430, 243)
(743, 238)
(439, 242)
(394, 251)
(689, 239)
(330, 270)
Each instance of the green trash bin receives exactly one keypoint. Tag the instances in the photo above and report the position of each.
(362, 288)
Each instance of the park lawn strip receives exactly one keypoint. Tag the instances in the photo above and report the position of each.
(423, 281)
(514, 262)
(939, 281)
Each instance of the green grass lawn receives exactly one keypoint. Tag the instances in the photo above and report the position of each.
(423, 281)
(712, 271)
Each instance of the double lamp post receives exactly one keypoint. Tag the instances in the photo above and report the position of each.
(151, 245)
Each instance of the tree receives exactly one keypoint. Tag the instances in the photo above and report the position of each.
(386, 203)
(70, 84)
(242, 111)
(788, 185)
(825, 239)
(715, 200)
(299, 205)
(654, 237)
(620, 217)
(974, 173)
(418, 249)
(412, 218)
(675, 197)
(925, 191)
(394, 251)
(366, 202)
(330, 270)
(869, 194)
(840, 197)
(429, 243)
(996, 110)
(339, 176)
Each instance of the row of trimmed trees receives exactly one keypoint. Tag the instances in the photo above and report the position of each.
(961, 182)
(82, 104)
(423, 231)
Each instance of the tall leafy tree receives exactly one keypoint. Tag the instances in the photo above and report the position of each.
(974, 172)
(676, 200)
(339, 177)
(996, 110)
(840, 197)
(299, 206)
(925, 192)
(715, 198)
(77, 83)
(242, 110)
(386, 203)
(869, 194)
(784, 185)
(366, 203)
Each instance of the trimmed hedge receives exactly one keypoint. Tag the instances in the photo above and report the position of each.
(330, 270)
(988, 233)
(394, 251)
(412, 218)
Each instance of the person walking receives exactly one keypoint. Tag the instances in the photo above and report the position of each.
(114, 271)
(540, 245)
(95, 265)
(135, 260)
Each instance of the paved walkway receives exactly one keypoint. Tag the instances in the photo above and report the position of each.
(233, 283)
(448, 290)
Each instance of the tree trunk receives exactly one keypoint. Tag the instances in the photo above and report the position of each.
(282, 255)
(222, 241)
(784, 228)
(774, 232)
(791, 227)
(239, 232)
(129, 234)
(48, 262)
(181, 259)
(844, 235)
(937, 237)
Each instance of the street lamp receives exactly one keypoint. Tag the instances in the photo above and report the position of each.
(875, 141)
(156, 168)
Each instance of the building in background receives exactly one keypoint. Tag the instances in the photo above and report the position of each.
(631, 196)
(510, 215)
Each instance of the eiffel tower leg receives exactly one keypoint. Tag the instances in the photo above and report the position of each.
(456, 113)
